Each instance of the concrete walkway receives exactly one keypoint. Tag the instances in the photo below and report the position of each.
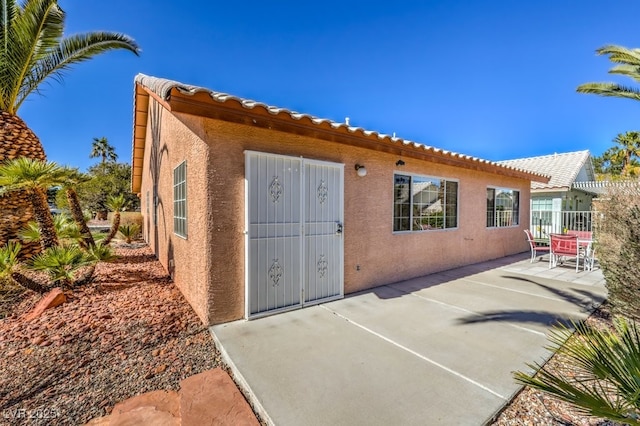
(438, 349)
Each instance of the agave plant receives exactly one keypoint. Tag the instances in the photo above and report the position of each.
(606, 378)
(129, 232)
(61, 263)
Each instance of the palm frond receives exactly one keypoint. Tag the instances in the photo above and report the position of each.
(35, 29)
(610, 89)
(33, 48)
(30, 233)
(620, 54)
(60, 263)
(101, 253)
(9, 257)
(605, 378)
(116, 203)
(632, 71)
(70, 51)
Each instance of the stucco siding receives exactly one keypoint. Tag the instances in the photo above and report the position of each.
(374, 255)
(185, 259)
(209, 266)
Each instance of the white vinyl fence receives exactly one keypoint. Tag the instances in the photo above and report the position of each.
(545, 222)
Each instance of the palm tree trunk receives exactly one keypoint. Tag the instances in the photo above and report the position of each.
(76, 212)
(28, 283)
(87, 277)
(114, 228)
(48, 236)
(17, 140)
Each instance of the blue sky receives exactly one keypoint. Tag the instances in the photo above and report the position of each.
(492, 79)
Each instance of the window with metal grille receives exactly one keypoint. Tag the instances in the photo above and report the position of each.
(423, 203)
(503, 207)
(180, 200)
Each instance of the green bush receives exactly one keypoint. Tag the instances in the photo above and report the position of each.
(618, 247)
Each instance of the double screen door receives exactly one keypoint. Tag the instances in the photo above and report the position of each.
(294, 239)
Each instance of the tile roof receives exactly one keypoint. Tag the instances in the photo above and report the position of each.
(563, 168)
(163, 89)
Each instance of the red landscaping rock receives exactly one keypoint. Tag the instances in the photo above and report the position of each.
(137, 417)
(50, 300)
(212, 398)
(160, 400)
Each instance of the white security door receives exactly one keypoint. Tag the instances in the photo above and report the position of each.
(294, 250)
(323, 243)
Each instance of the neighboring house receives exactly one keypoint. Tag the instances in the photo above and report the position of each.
(565, 201)
(255, 209)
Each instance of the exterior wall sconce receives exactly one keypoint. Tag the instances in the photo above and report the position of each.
(399, 163)
(362, 171)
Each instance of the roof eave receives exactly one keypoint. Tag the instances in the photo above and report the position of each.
(193, 100)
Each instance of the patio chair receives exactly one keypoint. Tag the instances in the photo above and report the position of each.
(535, 249)
(590, 257)
(562, 247)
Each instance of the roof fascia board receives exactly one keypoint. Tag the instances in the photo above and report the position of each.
(236, 113)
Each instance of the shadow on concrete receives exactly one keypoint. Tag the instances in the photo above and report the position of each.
(407, 286)
(519, 316)
(587, 303)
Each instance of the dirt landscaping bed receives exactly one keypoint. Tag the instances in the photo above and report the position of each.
(129, 332)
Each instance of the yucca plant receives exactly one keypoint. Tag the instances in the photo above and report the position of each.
(129, 232)
(61, 263)
(605, 381)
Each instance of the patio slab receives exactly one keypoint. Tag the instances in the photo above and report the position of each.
(432, 350)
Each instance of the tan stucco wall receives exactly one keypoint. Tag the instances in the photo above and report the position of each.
(209, 266)
(186, 260)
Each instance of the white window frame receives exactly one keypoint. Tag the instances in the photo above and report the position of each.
(411, 216)
(496, 222)
(180, 200)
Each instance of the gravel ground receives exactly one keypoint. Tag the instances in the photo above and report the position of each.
(129, 332)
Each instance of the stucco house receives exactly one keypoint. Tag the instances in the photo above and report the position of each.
(255, 209)
(565, 201)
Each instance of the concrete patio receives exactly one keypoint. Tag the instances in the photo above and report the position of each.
(438, 349)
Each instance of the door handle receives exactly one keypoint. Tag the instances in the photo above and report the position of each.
(338, 229)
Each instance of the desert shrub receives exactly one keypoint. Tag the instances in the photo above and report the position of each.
(618, 247)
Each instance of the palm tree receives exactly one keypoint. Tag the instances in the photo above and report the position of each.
(33, 49)
(629, 65)
(101, 148)
(34, 177)
(621, 160)
(605, 382)
(74, 177)
(116, 204)
(628, 152)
